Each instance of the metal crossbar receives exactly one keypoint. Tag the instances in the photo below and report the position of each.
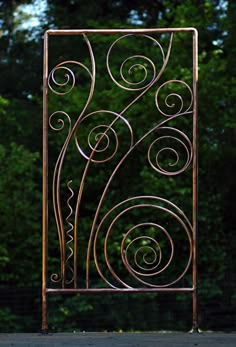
(120, 185)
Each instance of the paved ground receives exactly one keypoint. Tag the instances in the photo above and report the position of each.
(119, 340)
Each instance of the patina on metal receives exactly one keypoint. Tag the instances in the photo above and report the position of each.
(139, 247)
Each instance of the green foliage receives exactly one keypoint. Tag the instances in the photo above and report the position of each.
(20, 221)
(9, 320)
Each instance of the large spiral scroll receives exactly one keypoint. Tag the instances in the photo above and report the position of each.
(147, 249)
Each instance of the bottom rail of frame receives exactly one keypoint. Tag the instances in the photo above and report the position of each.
(116, 290)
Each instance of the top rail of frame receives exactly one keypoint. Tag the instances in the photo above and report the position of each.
(117, 31)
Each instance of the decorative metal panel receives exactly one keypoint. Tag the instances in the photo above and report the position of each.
(120, 162)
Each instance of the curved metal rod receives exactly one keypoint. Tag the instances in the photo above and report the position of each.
(92, 153)
(58, 169)
(109, 181)
(129, 268)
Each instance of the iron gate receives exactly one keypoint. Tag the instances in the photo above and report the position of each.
(119, 185)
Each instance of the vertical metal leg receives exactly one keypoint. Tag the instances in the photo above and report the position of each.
(45, 190)
(44, 327)
(195, 326)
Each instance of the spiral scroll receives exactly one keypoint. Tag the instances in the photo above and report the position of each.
(146, 260)
(61, 79)
(178, 105)
(138, 63)
(60, 121)
(68, 77)
(148, 267)
(181, 141)
(103, 138)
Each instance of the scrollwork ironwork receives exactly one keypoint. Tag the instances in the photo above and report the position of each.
(98, 138)
(69, 77)
(144, 231)
(147, 269)
(186, 146)
(145, 62)
(137, 73)
(56, 186)
(60, 121)
(178, 105)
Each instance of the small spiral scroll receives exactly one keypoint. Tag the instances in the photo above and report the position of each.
(149, 255)
(174, 103)
(68, 83)
(61, 79)
(178, 146)
(60, 121)
(139, 69)
(103, 139)
(55, 278)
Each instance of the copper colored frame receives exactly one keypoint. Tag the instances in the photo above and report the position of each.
(66, 227)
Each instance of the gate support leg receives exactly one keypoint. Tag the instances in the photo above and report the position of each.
(44, 328)
(195, 326)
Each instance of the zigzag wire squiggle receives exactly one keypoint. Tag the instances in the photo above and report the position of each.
(55, 277)
(69, 232)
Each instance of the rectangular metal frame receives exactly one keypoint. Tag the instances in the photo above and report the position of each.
(46, 76)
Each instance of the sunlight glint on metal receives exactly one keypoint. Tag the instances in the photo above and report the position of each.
(139, 274)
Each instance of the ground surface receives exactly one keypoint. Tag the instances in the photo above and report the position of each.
(119, 340)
